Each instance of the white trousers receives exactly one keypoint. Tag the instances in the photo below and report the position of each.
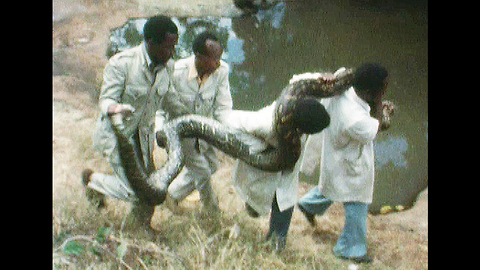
(200, 163)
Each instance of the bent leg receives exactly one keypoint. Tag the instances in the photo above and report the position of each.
(353, 241)
(314, 202)
(196, 175)
(115, 185)
(181, 186)
(280, 220)
(279, 225)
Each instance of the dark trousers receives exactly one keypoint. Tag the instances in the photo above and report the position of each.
(279, 220)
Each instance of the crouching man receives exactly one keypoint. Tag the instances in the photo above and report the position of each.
(140, 79)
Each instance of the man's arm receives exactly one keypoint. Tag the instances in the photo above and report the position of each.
(388, 109)
(223, 101)
(113, 86)
(364, 130)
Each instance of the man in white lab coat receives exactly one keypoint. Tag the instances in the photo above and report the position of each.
(263, 191)
(201, 82)
(347, 160)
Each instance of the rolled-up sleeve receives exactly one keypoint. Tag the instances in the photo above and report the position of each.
(113, 85)
(364, 130)
(223, 102)
(172, 104)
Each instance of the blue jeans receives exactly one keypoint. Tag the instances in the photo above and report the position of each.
(352, 243)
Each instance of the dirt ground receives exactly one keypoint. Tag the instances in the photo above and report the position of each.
(80, 32)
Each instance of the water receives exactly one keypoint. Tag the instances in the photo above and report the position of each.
(265, 50)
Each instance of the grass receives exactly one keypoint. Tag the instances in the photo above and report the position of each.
(84, 238)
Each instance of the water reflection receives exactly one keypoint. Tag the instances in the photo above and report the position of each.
(391, 152)
(266, 49)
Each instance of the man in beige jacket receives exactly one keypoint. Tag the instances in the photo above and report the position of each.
(140, 78)
(203, 87)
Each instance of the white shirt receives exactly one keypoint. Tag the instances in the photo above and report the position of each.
(211, 98)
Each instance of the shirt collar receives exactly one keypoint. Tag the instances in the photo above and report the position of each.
(353, 95)
(193, 72)
(148, 62)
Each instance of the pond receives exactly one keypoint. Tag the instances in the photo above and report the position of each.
(264, 51)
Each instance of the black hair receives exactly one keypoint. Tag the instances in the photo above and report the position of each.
(370, 77)
(310, 116)
(200, 40)
(157, 27)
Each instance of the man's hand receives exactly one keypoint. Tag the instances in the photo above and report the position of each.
(304, 76)
(388, 109)
(321, 77)
(125, 109)
(326, 77)
(118, 112)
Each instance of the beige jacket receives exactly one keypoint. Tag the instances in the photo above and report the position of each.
(129, 78)
(212, 98)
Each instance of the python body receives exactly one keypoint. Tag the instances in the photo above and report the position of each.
(152, 189)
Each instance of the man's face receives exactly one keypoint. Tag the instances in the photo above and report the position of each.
(375, 97)
(161, 53)
(209, 62)
(381, 93)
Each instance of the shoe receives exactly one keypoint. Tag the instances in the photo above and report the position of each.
(173, 205)
(251, 212)
(268, 237)
(309, 216)
(94, 197)
(86, 174)
(363, 259)
(280, 244)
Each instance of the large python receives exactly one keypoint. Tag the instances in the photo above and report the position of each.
(152, 188)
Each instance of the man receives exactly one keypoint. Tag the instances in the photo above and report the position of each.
(203, 87)
(140, 78)
(347, 161)
(263, 191)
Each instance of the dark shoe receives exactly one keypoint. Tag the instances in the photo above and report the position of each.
(251, 212)
(173, 205)
(86, 176)
(280, 243)
(363, 259)
(310, 217)
(140, 216)
(95, 198)
(269, 236)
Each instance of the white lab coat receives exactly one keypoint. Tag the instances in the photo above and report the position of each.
(347, 160)
(254, 186)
